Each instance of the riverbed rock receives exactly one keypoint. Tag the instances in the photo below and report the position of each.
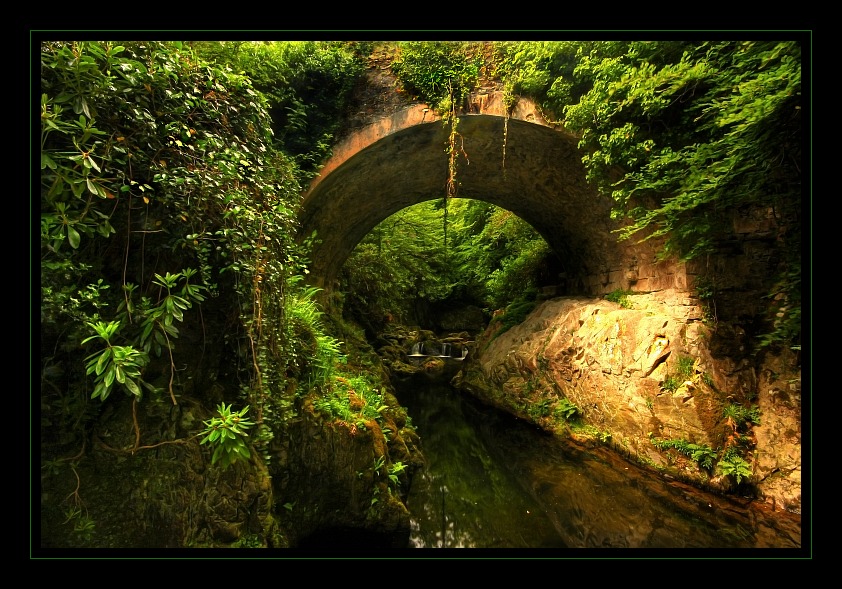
(336, 480)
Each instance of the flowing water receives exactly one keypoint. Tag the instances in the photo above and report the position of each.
(494, 481)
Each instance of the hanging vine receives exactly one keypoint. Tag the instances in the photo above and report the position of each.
(509, 100)
(453, 151)
(442, 74)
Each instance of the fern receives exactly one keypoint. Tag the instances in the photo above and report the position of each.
(733, 465)
(699, 453)
(566, 410)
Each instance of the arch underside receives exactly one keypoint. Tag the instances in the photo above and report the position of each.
(529, 169)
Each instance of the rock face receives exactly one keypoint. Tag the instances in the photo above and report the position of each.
(322, 478)
(335, 480)
(159, 495)
(649, 371)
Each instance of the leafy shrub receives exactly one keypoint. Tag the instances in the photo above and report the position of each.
(539, 409)
(671, 383)
(621, 297)
(684, 367)
(516, 312)
(438, 72)
(682, 373)
(518, 270)
(227, 434)
(351, 399)
(164, 180)
(308, 86)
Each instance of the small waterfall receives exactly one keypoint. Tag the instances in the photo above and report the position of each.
(446, 350)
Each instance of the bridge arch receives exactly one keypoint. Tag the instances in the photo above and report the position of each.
(518, 162)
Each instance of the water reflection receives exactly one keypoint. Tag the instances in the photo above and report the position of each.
(493, 481)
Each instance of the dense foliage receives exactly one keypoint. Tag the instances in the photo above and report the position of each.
(683, 136)
(307, 86)
(165, 207)
(171, 173)
(440, 72)
(492, 258)
(168, 201)
(399, 262)
(501, 258)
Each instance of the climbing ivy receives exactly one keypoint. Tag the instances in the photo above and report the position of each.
(438, 72)
(683, 135)
(308, 87)
(170, 175)
(683, 140)
(160, 190)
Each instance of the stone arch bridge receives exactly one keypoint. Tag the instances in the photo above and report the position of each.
(517, 161)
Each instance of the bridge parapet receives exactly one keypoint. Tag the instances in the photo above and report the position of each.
(478, 103)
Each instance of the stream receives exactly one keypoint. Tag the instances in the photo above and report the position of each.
(493, 481)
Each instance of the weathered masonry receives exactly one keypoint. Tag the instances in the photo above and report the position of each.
(519, 162)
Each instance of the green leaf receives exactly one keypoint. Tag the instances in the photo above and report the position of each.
(132, 386)
(108, 379)
(73, 237)
(103, 358)
(47, 162)
(100, 390)
(92, 186)
(147, 329)
(180, 302)
(131, 369)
